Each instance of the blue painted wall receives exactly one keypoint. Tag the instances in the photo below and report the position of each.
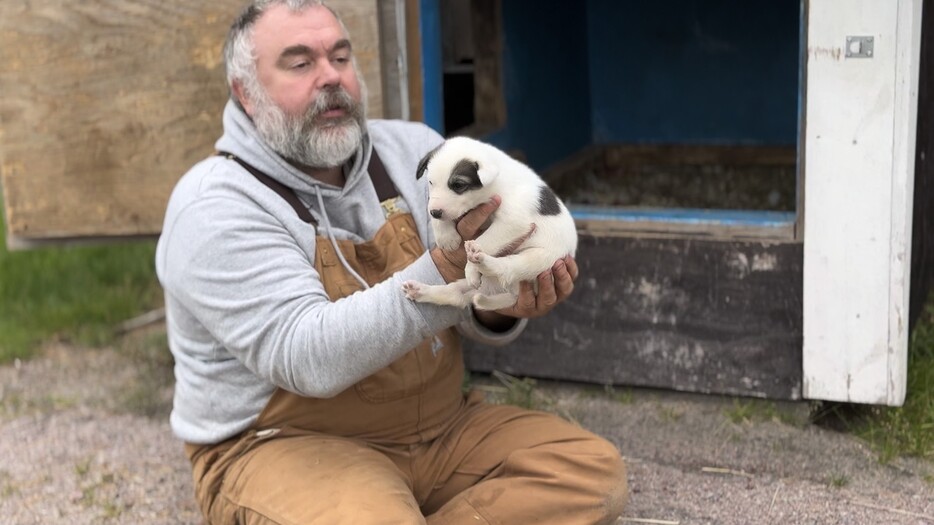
(679, 71)
(545, 79)
(699, 71)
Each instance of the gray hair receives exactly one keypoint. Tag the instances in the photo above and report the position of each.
(239, 50)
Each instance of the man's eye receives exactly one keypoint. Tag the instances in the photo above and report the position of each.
(300, 65)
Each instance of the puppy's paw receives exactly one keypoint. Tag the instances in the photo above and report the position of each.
(474, 253)
(412, 289)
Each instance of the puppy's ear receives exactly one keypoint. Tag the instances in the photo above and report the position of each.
(423, 164)
(487, 170)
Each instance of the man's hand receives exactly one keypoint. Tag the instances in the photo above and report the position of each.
(554, 286)
(451, 263)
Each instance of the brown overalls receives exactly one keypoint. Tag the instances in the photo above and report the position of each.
(405, 443)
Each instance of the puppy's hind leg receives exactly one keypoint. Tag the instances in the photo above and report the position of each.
(494, 302)
(458, 293)
(522, 266)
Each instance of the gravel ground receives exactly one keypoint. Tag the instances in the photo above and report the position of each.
(84, 439)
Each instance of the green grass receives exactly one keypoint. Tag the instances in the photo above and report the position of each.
(896, 431)
(74, 293)
(908, 430)
(759, 411)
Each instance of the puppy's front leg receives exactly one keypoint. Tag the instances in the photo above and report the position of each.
(473, 274)
(478, 258)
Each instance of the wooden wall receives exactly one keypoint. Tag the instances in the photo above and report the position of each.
(104, 104)
(686, 314)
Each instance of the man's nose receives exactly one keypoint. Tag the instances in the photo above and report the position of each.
(436, 213)
(329, 75)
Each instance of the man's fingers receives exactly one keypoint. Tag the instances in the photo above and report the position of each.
(526, 301)
(469, 225)
(564, 278)
(547, 296)
(572, 267)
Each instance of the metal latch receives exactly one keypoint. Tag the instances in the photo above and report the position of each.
(859, 47)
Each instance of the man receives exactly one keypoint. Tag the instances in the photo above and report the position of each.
(308, 388)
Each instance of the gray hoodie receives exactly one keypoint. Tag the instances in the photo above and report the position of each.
(246, 310)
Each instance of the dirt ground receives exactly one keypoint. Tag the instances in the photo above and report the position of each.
(84, 439)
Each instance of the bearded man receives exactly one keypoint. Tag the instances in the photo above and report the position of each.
(308, 388)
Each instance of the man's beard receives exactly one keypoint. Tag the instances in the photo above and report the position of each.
(309, 139)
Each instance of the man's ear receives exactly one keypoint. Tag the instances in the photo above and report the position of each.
(241, 95)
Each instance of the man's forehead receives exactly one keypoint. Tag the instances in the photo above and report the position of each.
(280, 28)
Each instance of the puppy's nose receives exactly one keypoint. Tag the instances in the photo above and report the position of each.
(436, 213)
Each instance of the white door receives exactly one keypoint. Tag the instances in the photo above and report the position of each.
(859, 145)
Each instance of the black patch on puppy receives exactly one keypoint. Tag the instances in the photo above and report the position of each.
(548, 202)
(423, 164)
(465, 177)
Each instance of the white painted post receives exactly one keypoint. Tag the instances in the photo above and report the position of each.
(858, 182)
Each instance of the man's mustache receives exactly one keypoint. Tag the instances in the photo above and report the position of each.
(330, 100)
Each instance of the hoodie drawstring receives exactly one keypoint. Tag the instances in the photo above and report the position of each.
(330, 233)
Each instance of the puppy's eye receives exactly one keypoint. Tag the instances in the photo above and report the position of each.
(458, 187)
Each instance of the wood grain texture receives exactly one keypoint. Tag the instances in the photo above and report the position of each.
(489, 98)
(413, 42)
(106, 103)
(701, 316)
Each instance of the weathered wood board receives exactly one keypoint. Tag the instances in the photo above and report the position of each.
(104, 104)
(694, 315)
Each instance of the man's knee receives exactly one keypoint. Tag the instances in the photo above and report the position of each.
(314, 479)
(617, 484)
(607, 472)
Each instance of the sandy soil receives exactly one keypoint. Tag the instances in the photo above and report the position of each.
(84, 439)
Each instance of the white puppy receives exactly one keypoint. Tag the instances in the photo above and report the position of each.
(464, 173)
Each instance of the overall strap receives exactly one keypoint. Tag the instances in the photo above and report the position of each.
(385, 189)
(284, 191)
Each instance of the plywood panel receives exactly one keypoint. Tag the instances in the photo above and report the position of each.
(859, 170)
(105, 103)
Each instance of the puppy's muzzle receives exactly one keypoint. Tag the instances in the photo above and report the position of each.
(436, 213)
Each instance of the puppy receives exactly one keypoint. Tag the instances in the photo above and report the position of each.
(529, 231)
